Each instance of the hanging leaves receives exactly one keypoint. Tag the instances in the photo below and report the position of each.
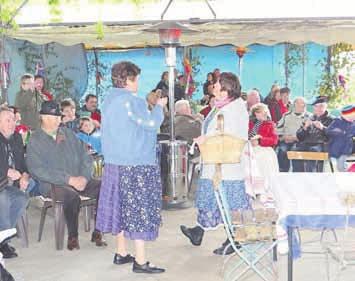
(99, 27)
(54, 10)
(337, 67)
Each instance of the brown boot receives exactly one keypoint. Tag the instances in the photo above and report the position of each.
(73, 243)
(98, 239)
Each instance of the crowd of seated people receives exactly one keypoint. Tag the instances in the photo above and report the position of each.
(44, 144)
(296, 129)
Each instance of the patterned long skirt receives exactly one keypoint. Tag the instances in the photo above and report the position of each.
(130, 201)
(208, 215)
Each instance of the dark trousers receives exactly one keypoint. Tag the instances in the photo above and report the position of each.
(283, 147)
(308, 165)
(71, 203)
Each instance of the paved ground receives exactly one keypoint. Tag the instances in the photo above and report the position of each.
(41, 262)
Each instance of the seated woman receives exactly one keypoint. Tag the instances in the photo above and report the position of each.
(90, 135)
(263, 137)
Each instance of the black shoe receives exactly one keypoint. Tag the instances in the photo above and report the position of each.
(195, 234)
(118, 259)
(222, 250)
(146, 268)
(98, 238)
(8, 252)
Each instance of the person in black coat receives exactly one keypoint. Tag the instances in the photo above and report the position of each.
(14, 177)
(312, 136)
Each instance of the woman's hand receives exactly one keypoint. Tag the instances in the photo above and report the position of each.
(254, 142)
(200, 140)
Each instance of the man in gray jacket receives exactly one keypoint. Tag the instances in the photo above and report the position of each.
(56, 157)
(287, 127)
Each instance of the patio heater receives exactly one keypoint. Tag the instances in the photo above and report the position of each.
(175, 177)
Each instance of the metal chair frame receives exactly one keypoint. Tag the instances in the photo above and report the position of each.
(59, 221)
(338, 249)
(252, 255)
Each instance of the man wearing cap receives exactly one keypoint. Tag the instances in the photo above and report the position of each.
(312, 136)
(341, 133)
(56, 157)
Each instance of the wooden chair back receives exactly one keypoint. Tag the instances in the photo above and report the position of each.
(307, 155)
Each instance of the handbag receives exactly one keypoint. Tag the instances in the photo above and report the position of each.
(221, 148)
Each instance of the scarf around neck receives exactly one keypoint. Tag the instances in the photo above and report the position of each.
(221, 103)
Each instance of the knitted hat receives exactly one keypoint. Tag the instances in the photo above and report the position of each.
(348, 111)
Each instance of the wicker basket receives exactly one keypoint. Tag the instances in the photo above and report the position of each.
(222, 149)
(255, 225)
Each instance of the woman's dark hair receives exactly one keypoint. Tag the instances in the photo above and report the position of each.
(122, 71)
(163, 74)
(208, 74)
(230, 83)
(14, 109)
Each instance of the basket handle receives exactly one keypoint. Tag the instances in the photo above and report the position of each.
(220, 123)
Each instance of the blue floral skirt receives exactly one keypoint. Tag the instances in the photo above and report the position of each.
(208, 215)
(130, 201)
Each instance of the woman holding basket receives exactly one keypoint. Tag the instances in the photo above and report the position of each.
(227, 91)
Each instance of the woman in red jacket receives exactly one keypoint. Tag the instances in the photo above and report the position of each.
(263, 138)
(261, 129)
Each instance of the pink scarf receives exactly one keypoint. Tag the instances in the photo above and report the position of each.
(220, 103)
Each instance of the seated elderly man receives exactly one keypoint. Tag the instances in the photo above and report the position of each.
(312, 136)
(287, 127)
(14, 179)
(56, 156)
(187, 125)
(253, 97)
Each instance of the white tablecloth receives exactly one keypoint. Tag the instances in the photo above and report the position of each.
(311, 193)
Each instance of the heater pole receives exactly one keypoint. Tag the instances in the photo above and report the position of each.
(170, 57)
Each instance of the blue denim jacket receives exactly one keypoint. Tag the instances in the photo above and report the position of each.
(129, 129)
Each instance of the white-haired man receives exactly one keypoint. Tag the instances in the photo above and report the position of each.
(187, 125)
(287, 127)
(253, 97)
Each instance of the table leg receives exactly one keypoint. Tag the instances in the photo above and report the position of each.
(290, 260)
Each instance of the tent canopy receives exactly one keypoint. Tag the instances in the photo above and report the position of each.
(211, 33)
(219, 22)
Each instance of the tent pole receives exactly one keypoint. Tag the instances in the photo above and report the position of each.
(166, 9)
(97, 74)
